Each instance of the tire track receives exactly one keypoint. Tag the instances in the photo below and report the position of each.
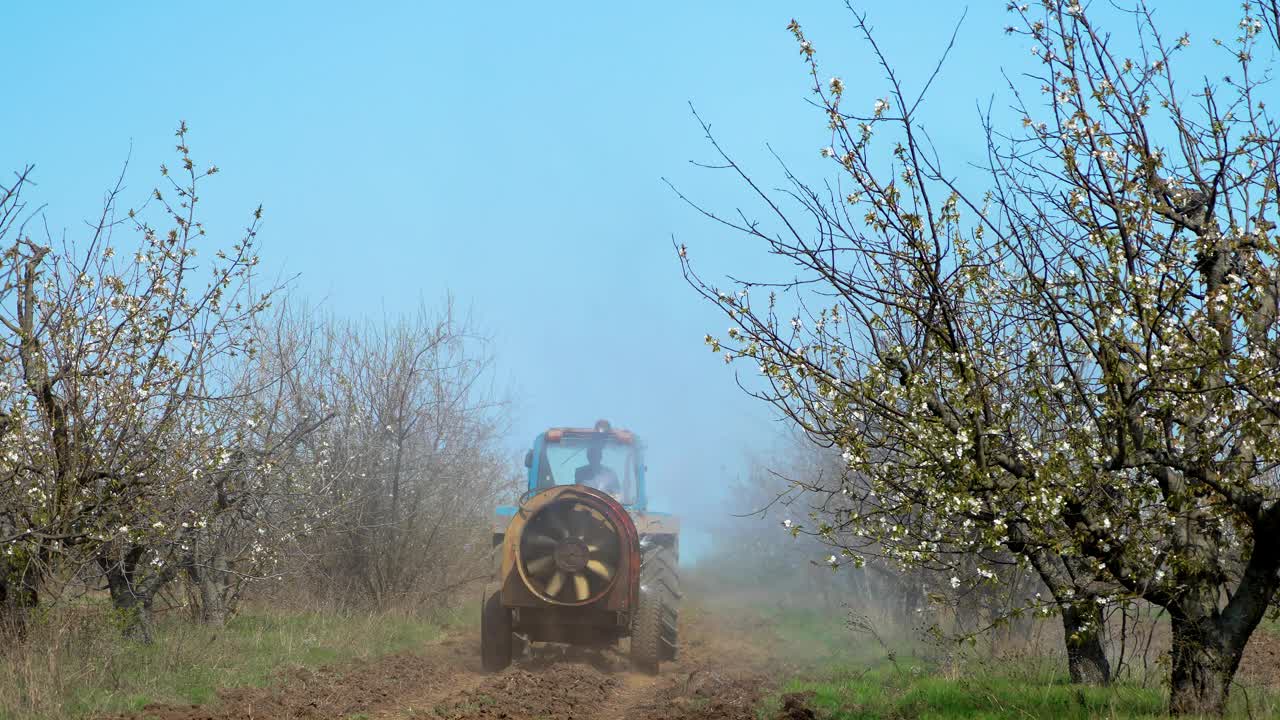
(721, 673)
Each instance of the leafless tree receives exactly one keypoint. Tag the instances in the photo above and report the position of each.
(412, 462)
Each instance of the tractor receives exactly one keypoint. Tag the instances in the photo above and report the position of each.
(581, 560)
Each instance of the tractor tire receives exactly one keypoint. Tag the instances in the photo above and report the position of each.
(654, 635)
(495, 634)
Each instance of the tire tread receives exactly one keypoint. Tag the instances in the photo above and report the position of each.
(656, 631)
(496, 637)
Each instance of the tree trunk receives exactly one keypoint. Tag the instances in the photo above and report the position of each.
(130, 599)
(1081, 615)
(134, 610)
(1086, 657)
(1202, 668)
(18, 595)
(212, 582)
(20, 579)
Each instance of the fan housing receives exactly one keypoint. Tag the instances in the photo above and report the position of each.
(569, 551)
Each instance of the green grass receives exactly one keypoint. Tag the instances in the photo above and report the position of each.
(80, 669)
(1271, 624)
(885, 691)
(816, 632)
(851, 677)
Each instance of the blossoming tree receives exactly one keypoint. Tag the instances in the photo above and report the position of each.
(1076, 363)
(113, 347)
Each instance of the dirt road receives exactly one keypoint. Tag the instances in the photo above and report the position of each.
(729, 661)
(723, 669)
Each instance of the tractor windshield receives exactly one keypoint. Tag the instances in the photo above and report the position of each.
(605, 465)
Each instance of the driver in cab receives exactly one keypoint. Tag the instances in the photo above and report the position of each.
(596, 475)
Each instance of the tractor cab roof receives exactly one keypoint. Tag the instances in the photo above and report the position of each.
(561, 434)
(557, 455)
(601, 430)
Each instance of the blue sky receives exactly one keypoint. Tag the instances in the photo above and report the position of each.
(508, 153)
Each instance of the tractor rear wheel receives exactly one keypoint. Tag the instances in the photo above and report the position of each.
(495, 634)
(654, 635)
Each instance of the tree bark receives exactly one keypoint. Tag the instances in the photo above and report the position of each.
(18, 595)
(1209, 640)
(1082, 618)
(131, 594)
(212, 582)
(133, 605)
(1086, 657)
(1203, 664)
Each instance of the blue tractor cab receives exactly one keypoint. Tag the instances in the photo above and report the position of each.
(602, 457)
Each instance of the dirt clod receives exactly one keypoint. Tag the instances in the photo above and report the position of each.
(558, 691)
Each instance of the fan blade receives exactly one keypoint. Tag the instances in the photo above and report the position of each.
(592, 532)
(555, 521)
(575, 523)
(600, 547)
(555, 584)
(540, 565)
(604, 571)
(581, 587)
(541, 541)
(604, 543)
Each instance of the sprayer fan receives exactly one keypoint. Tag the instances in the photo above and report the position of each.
(570, 552)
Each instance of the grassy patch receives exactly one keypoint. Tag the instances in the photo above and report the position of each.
(886, 691)
(80, 668)
(1271, 624)
(855, 677)
(810, 637)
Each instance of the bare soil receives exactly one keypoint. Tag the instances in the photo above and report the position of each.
(725, 668)
(721, 674)
(1261, 662)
